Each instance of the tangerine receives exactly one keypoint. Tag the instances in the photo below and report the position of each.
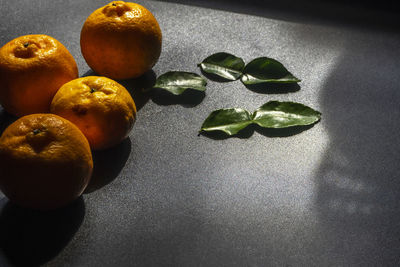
(45, 162)
(101, 108)
(121, 40)
(32, 68)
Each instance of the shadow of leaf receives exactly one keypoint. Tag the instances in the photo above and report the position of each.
(189, 98)
(31, 238)
(273, 88)
(108, 164)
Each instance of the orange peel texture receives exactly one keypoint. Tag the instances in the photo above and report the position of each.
(121, 40)
(45, 162)
(32, 69)
(101, 108)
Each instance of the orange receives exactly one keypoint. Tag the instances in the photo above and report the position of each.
(102, 108)
(121, 40)
(45, 162)
(32, 68)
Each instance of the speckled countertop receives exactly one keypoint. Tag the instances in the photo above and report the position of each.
(327, 196)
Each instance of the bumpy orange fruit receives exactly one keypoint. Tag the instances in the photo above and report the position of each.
(102, 108)
(32, 68)
(121, 40)
(45, 162)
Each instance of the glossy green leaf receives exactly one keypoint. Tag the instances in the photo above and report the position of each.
(230, 120)
(177, 82)
(224, 65)
(266, 70)
(273, 114)
(276, 114)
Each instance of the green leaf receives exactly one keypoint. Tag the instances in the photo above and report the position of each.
(276, 114)
(266, 70)
(224, 65)
(230, 120)
(177, 82)
(273, 114)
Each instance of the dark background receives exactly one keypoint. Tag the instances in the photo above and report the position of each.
(327, 196)
(373, 14)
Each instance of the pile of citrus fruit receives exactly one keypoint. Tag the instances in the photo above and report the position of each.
(46, 155)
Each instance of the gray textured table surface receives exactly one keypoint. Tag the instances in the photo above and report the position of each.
(327, 196)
